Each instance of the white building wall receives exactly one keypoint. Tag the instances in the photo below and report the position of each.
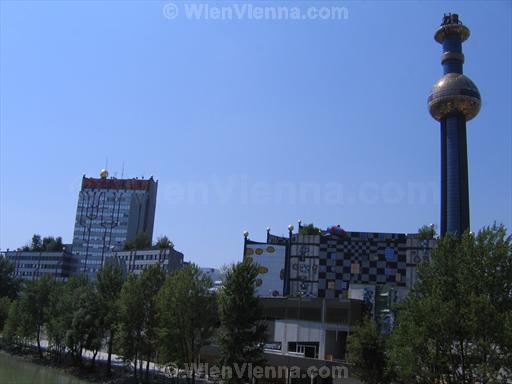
(286, 331)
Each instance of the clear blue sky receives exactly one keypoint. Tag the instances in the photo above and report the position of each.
(245, 123)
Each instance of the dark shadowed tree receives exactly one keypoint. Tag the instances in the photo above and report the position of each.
(37, 243)
(242, 332)
(163, 243)
(151, 281)
(85, 330)
(141, 241)
(11, 331)
(59, 319)
(427, 232)
(34, 307)
(5, 305)
(131, 321)
(9, 286)
(109, 282)
(52, 244)
(367, 353)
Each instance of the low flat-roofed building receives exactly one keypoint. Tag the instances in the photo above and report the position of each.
(137, 260)
(310, 327)
(29, 265)
(306, 335)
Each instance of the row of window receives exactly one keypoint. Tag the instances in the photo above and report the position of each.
(100, 229)
(86, 223)
(389, 254)
(331, 284)
(152, 256)
(139, 267)
(36, 257)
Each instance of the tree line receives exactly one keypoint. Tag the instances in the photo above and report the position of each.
(43, 244)
(154, 316)
(455, 326)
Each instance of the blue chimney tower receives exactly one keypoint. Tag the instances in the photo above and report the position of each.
(454, 100)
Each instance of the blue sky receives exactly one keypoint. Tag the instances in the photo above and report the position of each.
(245, 123)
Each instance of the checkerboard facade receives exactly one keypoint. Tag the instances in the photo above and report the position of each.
(326, 265)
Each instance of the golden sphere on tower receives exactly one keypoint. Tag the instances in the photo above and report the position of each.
(103, 173)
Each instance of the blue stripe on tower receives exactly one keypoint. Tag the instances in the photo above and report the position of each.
(452, 43)
(453, 199)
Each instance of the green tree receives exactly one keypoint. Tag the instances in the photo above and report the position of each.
(427, 232)
(110, 279)
(309, 229)
(34, 307)
(9, 286)
(141, 241)
(85, 330)
(242, 332)
(367, 352)
(11, 331)
(163, 243)
(131, 321)
(39, 244)
(151, 281)
(36, 244)
(456, 325)
(51, 244)
(188, 315)
(5, 305)
(60, 318)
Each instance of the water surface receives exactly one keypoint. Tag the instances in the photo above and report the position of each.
(17, 371)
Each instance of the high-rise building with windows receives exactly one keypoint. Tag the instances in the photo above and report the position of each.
(110, 212)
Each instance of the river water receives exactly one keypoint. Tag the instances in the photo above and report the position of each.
(17, 371)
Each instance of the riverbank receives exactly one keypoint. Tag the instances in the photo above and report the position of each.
(85, 372)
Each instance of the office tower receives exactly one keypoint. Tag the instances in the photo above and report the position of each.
(110, 212)
(454, 101)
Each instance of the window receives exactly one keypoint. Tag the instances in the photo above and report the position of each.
(330, 285)
(390, 254)
(354, 269)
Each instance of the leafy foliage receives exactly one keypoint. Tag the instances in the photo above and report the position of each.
(85, 329)
(182, 330)
(60, 318)
(367, 352)
(309, 229)
(11, 330)
(242, 332)
(141, 241)
(131, 320)
(151, 281)
(427, 232)
(33, 306)
(9, 286)
(456, 324)
(163, 243)
(5, 305)
(110, 279)
(46, 244)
